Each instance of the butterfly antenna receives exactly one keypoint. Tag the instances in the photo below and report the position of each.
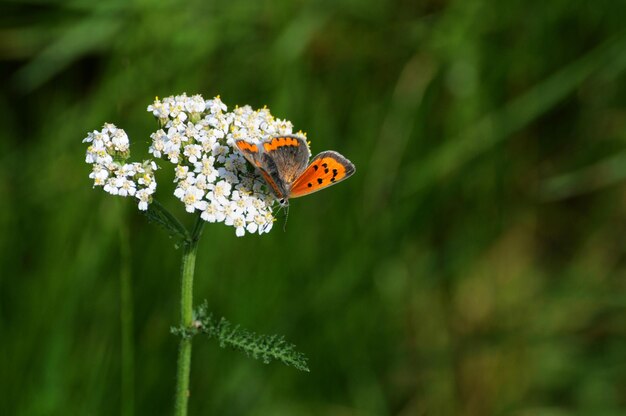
(286, 218)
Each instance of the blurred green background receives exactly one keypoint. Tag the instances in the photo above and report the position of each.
(474, 265)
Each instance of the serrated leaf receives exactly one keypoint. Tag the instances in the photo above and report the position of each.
(266, 348)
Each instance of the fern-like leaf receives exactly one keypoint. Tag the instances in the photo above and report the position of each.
(261, 347)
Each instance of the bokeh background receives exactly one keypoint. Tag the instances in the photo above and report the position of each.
(474, 265)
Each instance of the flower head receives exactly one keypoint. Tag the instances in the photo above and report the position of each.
(107, 152)
(212, 177)
(197, 136)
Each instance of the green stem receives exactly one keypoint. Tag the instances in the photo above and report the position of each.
(186, 317)
(126, 317)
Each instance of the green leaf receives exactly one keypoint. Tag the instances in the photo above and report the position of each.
(266, 348)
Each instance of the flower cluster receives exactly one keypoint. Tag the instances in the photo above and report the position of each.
(211, 176)
(108, 152)
(198, 137)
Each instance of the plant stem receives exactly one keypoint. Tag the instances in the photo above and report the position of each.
(186, 318)
(126, 317)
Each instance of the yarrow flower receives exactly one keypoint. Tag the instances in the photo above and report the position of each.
(211, 176)
(198, 137)
(108, 151)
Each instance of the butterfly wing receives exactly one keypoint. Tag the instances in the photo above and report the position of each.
(286, 157)
(326, 169)
(250, 151)
(280, 160)
(254, 155)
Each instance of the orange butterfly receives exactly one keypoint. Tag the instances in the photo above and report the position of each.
(282, 160)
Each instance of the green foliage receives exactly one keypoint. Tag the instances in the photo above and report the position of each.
(156, 214)
(266, 348)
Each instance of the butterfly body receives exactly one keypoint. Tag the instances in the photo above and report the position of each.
(283, 161)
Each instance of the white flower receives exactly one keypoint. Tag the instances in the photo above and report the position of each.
(259, 222)
(239, 225)
(213, 213)
(158, 143)
(216, 105)
(147, 181)
(111, 186)
(236, 163)
(128, 170)
(119, 139)
(195, 104)
(99, 174)
(108, 151)
(183, 185)
(144, 197)
(181, 172)
(126, 187)
(206, 168)
(193, 152)
(221, 192)
(228, 175)
(222, 152)
(158, 109)
(193, 199)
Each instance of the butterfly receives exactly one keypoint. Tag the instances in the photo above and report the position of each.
(283, 161)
